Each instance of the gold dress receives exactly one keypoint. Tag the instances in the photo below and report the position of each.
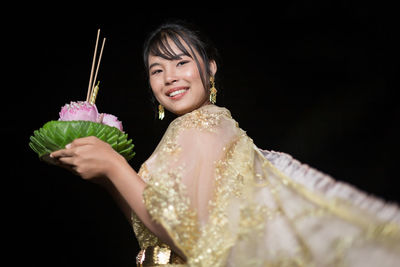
(225, 202)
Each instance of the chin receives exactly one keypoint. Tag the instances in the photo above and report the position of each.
(184, 108)
(182, 111)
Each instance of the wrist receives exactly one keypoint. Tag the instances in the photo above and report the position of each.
(115, 167)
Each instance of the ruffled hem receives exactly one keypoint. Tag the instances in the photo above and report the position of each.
(317, 181)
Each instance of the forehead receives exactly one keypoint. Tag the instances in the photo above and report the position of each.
(169, 49)
(157, 59)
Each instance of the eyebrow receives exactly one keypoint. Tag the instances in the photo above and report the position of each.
(178, 56)
(154, 64)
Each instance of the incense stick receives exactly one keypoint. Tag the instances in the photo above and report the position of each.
(98, 64)
(91, 72)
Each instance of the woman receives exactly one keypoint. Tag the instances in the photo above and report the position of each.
(207, 196)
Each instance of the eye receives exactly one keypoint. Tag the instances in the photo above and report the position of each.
(183, 62)
(155, 71)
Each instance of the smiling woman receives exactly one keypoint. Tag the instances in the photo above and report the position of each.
(177, 83)
(208, 196)
(180, 66)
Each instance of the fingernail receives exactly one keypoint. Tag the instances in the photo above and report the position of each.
(68, 146)
(51, 155)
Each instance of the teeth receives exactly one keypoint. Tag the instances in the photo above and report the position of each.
(177, 92)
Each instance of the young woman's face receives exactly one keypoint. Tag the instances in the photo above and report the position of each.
(177, 84)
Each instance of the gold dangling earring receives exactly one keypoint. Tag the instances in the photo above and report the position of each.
(213, 91)
(161, 112)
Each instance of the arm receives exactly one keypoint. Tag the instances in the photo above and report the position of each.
(93, 159)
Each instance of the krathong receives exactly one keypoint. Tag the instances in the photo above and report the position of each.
(81, 119)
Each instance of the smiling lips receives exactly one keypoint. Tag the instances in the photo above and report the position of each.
(177, 92)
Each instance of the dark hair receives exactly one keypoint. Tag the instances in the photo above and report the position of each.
(157, 44)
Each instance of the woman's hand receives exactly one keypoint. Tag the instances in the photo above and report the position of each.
(89, 157)
(98, 162)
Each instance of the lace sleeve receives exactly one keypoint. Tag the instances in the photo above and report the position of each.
(182, 173)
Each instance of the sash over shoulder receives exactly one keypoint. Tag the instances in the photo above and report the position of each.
(225, 202)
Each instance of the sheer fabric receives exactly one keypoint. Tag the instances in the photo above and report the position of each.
(225, 202)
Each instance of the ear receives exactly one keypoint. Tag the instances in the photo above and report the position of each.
(213, 67)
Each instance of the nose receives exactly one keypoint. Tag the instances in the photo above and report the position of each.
(170, 77)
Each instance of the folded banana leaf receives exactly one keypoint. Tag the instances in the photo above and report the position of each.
(55, 135)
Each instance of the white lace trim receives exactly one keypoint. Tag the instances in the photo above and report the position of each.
(316, 180)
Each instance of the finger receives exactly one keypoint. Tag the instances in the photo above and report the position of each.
(66, 161)
(66, 166)
(61, 153)
(88, 140)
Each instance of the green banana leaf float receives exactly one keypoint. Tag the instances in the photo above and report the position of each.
(55, 135)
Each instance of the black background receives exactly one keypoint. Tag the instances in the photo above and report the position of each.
(315, 80)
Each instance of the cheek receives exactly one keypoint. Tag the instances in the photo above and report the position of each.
(192, 75)
(155, 84)
(155, 88)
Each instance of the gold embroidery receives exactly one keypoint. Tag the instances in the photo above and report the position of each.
(165, 198)
(201, 119)
(257, 216)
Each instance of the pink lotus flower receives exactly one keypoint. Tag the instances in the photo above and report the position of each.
(79, 111)
(110, 120)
